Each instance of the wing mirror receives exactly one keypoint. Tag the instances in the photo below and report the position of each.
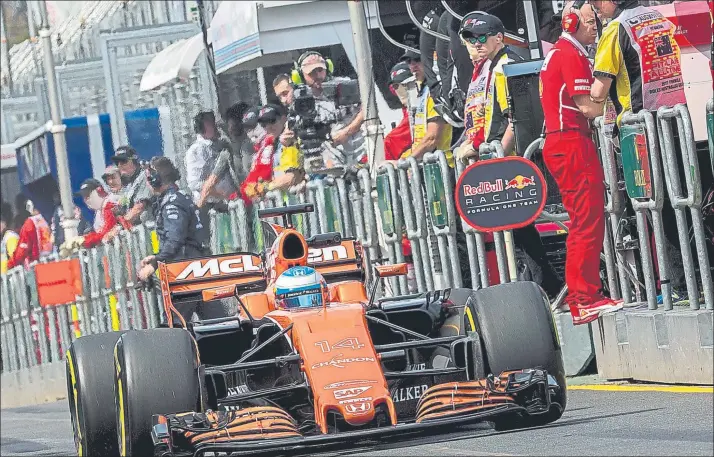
(385, 271)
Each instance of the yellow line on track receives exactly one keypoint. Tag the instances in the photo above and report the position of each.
(641, 388)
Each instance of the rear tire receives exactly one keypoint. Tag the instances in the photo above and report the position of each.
(90, 392)
(156, 372)
(517, 331)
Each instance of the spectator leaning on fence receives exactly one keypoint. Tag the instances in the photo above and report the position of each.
(35, 238)
(483, 36)
(638, 64)
(97, 199)
(430, 132)
(571, 157)
(136, 196)
(259, 181)
(112, 179)
(10, 239)
(399, 140)
(231, 161)
(201, 156)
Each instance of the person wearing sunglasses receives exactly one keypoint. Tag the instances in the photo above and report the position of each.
(483, 35)
(488, 120)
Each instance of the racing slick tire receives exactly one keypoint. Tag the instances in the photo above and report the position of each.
(156, 372)
(90, 393)
(516, 331)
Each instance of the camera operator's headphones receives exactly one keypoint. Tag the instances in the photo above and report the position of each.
(571, 21)
(296, 75)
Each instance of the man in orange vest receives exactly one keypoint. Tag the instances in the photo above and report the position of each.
(35, 239)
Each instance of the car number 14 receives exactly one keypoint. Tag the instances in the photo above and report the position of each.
(350, 343)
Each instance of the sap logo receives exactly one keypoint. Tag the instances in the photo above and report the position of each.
(408, 393)
(215, 267)
(336, 385)
(357, 409)
(327, 254)
(350, 392)
(355, 400)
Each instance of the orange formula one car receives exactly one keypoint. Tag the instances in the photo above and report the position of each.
(280, 380)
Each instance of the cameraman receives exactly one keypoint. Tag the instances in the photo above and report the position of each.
(312, 70)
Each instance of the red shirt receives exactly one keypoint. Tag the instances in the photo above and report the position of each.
(104, 221)
(399, 139)
(262, 168)
(566, 72)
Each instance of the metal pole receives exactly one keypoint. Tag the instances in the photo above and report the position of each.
(5, 54)
(531, 11)
(374, 140)
(65, 186)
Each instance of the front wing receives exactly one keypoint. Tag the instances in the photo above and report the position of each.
(269, 430)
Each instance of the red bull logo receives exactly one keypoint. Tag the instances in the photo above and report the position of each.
(484, 187)
(520, 182)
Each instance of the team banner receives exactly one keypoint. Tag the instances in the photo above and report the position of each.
(500, 194)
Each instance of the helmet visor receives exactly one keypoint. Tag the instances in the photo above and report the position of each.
(307, 298)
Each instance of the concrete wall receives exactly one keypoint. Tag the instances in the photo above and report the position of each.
(32, 386)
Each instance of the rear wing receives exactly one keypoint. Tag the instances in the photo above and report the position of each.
(185, 280)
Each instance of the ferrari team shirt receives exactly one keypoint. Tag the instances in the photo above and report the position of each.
(566, 72)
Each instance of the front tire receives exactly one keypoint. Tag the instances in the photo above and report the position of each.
(156, 372)
(90, 392)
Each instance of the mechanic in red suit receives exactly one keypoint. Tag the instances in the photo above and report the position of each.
(571, 157)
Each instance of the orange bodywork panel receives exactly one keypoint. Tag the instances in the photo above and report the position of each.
(339, 361)
(258, 305)
(348, 292)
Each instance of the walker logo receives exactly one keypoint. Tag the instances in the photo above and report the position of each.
(513, 200)
(216, 267)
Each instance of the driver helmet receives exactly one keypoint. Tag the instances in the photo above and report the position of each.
(300, 287)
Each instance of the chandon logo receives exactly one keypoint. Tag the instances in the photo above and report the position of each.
(214, 267)
(339, 362)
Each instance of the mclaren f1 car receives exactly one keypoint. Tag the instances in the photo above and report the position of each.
(278, 380)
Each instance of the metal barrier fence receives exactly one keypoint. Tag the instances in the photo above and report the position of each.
(648, 147)
(32, 333)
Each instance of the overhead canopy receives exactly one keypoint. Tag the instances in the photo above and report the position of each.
(173, 63)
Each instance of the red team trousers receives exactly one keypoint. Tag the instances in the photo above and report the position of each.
(572, 159)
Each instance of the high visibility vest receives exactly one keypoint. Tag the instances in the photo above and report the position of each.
(44, 234)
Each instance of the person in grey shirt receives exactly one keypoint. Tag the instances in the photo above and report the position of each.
(233, 161)
(136, 197)
(201, 158)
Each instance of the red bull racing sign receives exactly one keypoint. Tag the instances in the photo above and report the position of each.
(500, 194)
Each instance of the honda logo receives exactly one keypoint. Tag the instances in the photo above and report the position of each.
(358, 408)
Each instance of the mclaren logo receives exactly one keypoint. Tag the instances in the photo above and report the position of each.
(350, 392)
(327, 254)
(216, 267)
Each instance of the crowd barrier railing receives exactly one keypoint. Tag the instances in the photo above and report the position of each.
(98, 295)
